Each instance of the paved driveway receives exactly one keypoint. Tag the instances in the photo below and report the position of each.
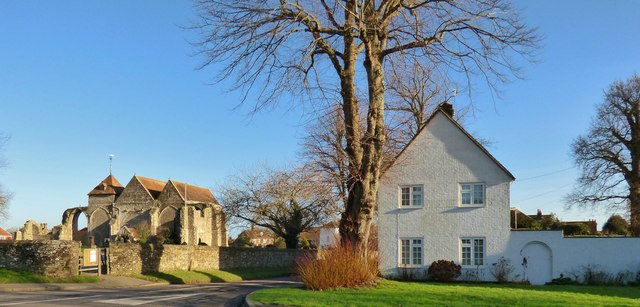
(215, 294)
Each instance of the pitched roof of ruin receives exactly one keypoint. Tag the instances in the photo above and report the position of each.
(108, 186)
(194, 193)
(153, 186)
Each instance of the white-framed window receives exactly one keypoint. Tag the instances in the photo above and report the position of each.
(472, 252)
(472, 195)
(411, 196)
(411, 251)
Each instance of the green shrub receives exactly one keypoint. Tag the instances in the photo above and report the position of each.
(616, 225)
(144, 231)
(444, 271)
(343, 266)
(561, 281)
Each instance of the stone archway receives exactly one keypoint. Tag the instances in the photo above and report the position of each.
(538, 261)
(168, 221)
(99, 227)
(69, 230)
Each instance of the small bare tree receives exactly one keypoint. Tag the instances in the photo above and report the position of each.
(303, 46)
(4, 195)
(609, 154)
(414, 92)
(324, 151)
(287, 202)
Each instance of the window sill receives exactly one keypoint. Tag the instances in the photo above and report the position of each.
(410, 266)
(472, 206)
(410, 207)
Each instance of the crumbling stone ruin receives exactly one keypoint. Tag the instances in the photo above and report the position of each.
(171, 211)
(33, 231)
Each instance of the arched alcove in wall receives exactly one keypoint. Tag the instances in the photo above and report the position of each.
(167, 223)
(538, 258)
(100, 229)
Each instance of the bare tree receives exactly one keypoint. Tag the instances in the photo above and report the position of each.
(609, 154)
(413, 93)
(286, 202)
(4, 195)
(302, 46)
(324, 151)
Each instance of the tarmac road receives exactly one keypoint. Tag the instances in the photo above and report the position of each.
(214, 294)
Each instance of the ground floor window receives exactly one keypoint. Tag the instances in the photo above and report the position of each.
(472, 251)
(411, 251)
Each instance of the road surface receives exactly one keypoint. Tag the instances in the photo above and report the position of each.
(215, 294)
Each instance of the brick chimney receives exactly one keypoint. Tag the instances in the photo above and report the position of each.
(447, 108)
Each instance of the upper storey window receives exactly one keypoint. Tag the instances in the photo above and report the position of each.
(411, 196)
(472, 195)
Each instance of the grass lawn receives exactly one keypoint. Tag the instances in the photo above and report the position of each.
(394, 293)
(13, 277)
(207, 276)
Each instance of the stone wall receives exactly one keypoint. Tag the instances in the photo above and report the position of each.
(238, 257)
(133, 258)
(129, 258)
(50, 258)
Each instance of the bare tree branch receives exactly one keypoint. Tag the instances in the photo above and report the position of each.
(609, 155)
(348, 46)
(287, 202)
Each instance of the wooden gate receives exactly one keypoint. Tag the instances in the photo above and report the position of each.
(93, 261)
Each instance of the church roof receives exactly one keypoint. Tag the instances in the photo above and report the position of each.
(108, 186)
(154, 186)
(194, 193)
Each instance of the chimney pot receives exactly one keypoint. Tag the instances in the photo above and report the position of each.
(447, 108)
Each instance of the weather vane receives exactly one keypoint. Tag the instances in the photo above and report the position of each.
(110, 162)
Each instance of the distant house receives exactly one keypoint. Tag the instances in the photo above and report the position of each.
(445, 197)
(522, 221)
(311, 236)
(5, 235)
(325, 236)
(259, 237)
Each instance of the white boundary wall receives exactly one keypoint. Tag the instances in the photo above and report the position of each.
(549, 254)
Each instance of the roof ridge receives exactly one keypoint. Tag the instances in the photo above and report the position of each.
(464, 131)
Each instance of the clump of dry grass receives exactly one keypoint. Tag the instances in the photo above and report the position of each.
(344, 266)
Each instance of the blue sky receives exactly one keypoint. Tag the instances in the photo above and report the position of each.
(83, 79)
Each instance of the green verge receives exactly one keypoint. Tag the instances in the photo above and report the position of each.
(394, 293)
(208, 276)
(14, 277)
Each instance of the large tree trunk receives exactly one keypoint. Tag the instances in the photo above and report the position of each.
(291, 240)
(356, 221)
(634, 209)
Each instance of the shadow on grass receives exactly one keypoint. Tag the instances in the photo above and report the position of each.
(632, 292)
(172, 279)
(257, 273)
(212, 278)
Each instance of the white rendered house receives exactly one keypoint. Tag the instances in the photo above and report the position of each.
(447, 198)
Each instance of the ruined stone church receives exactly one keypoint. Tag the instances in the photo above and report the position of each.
(180, 213)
